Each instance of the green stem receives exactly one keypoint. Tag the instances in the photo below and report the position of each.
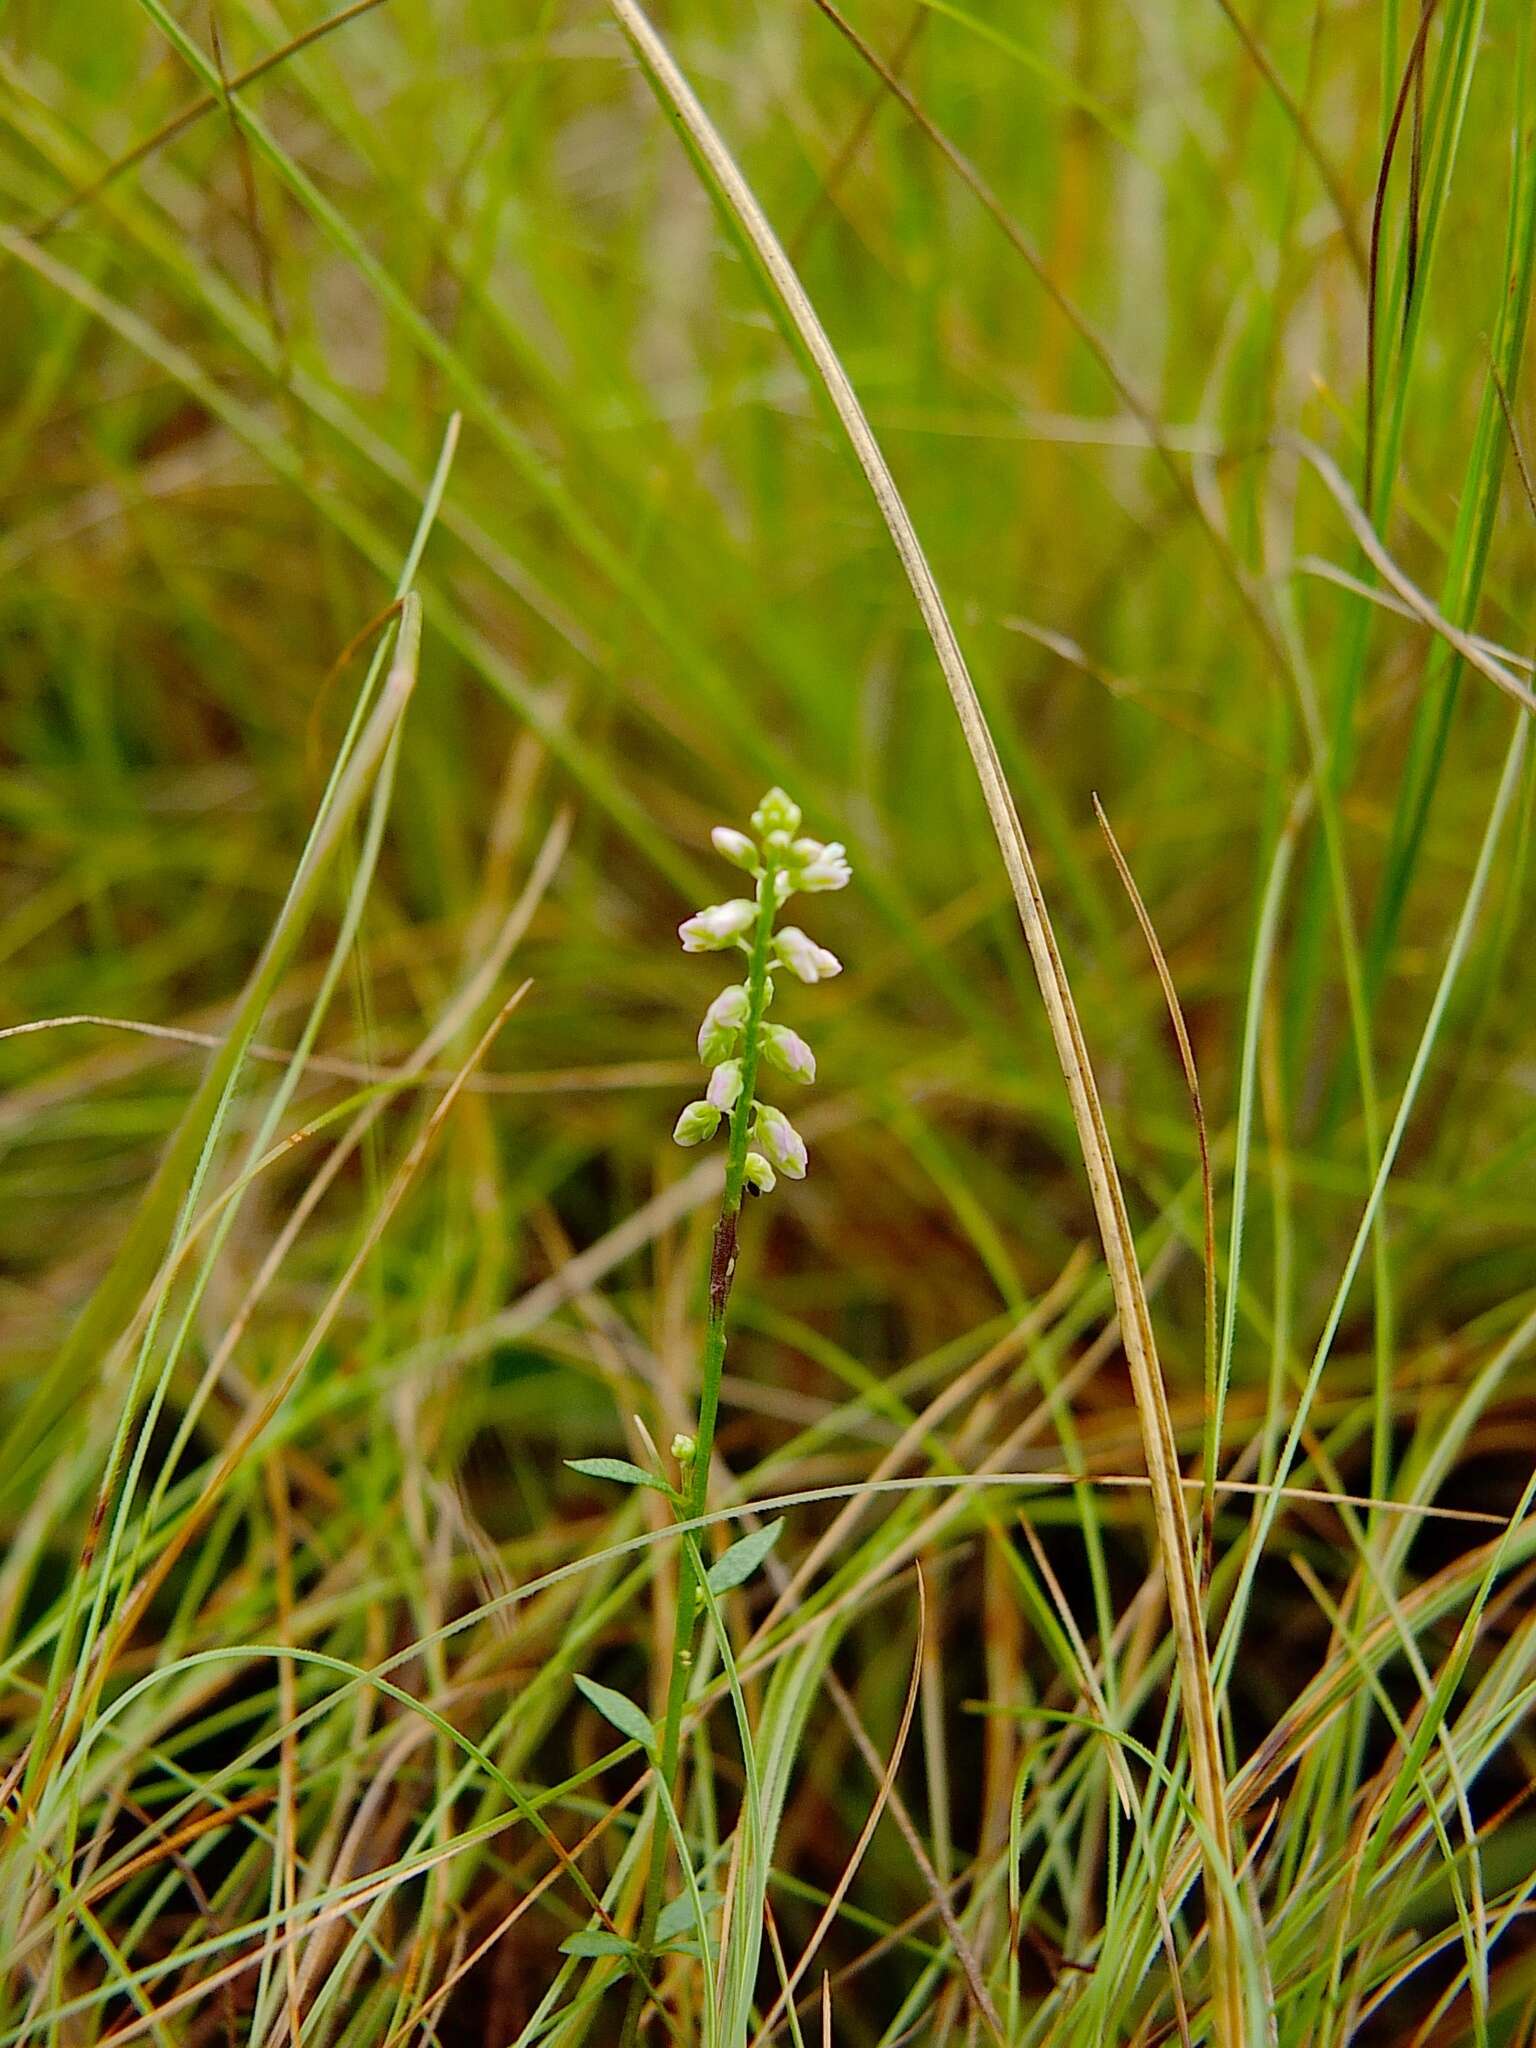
(722, 1271)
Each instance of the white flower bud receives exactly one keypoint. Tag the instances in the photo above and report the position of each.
(805, 850)
(723, 1021)
(788, 1051)
(718, 926)
(760, 1174)
(780, 1141)
(724, 1090)
(735, 847)
(776, 813)
(829, 870)
(700, 1120)
(684, 1449)
(803, 957)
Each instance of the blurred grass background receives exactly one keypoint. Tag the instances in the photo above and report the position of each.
(1103, 282)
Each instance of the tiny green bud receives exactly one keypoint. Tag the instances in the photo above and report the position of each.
(735, 847)
(777, 1137)
(776, 813)
(684, 1449)
(722, 1024)
(700, 1120)
(788, 1051)
(760, 1175)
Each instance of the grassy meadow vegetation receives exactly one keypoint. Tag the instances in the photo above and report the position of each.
(453, 455)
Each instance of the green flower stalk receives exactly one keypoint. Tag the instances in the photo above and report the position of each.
(735, 1041)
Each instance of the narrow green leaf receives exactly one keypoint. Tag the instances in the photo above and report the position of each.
(619, 1470)
(596, 1941)
(622, 1712)
(743, 1558)
(676, 1917)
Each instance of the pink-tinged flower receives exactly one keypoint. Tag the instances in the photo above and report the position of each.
(802, 956)
(829, 870)
(718, 926)
(778, 1139)
(735, 847)
(723, 1021)
(700, 1120)
(788, 1051)
(724, 1088)
(759, 1174)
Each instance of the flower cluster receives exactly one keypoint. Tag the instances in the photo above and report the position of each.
(735, 1034)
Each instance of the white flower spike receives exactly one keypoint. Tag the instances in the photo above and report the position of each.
(736, 1036)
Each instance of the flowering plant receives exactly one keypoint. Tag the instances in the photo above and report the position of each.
(736, 1039)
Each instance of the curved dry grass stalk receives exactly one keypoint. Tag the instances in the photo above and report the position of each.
(543, 1081)
(1213, 1391)
(736, 199)
(1473, 650)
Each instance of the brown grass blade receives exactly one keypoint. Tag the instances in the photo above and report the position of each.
(1207, 1191)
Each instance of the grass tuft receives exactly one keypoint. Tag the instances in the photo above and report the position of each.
(1097, 1603)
